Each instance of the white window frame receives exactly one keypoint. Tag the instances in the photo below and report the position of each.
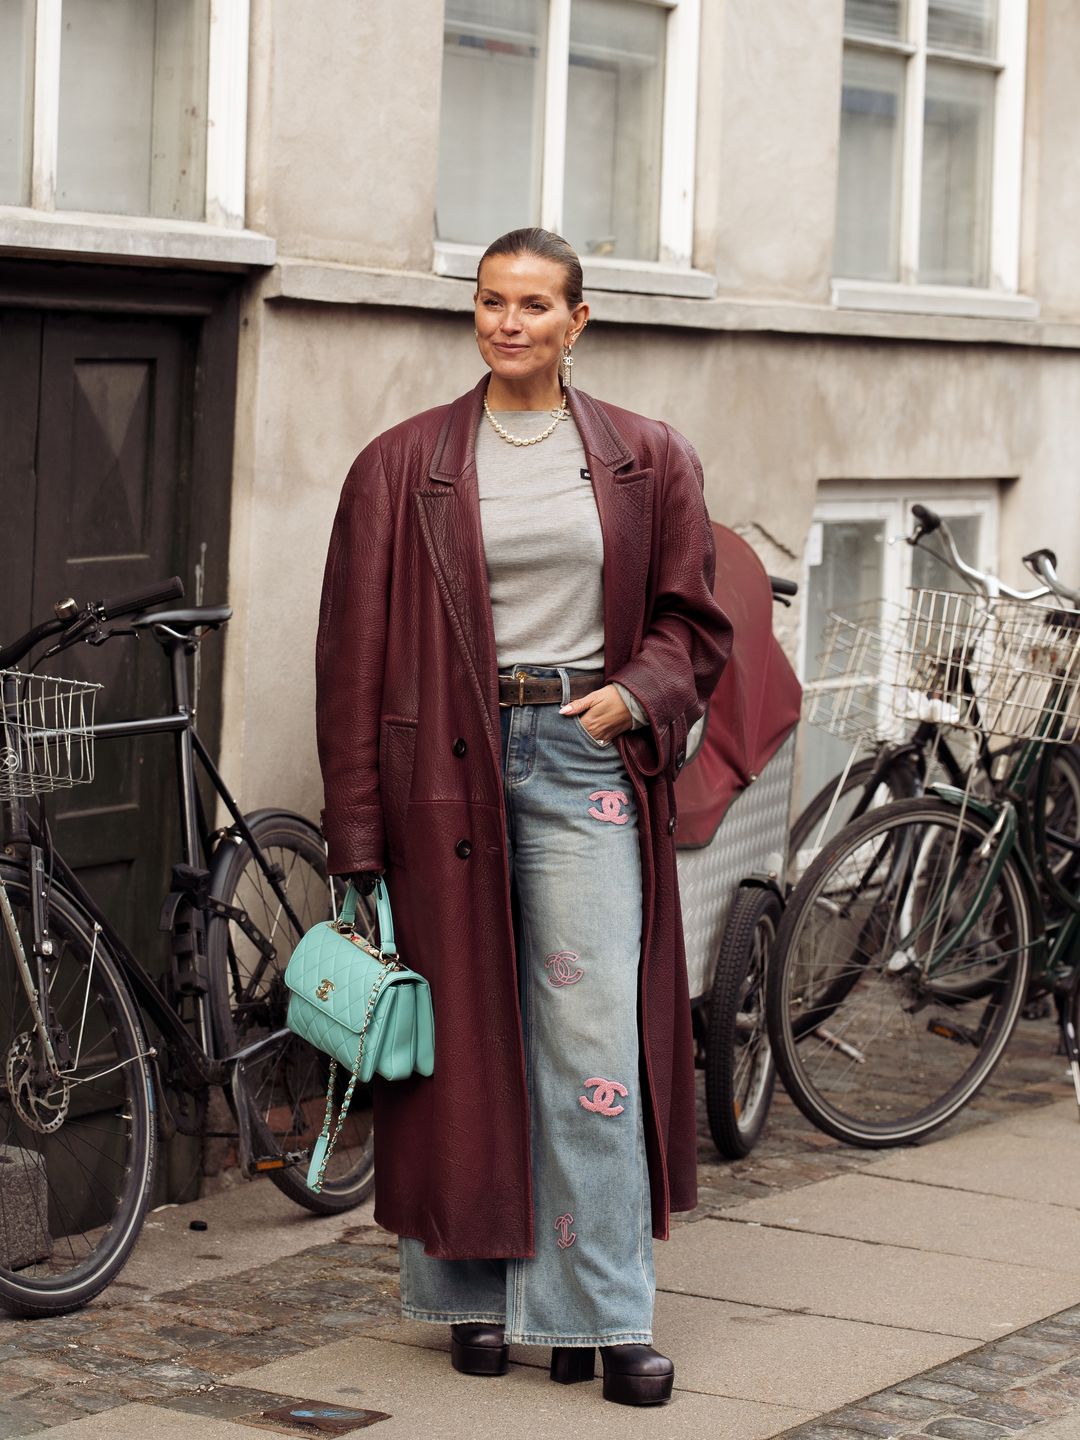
(891, 502)
(226, 130)
(1008, 64)
(672, 273)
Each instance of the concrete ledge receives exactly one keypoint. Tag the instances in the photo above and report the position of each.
(323, 283)
(123, 239)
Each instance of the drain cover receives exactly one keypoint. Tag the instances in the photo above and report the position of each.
(314, 1417)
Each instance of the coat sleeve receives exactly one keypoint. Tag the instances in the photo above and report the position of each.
(687, 637)
(349, 658)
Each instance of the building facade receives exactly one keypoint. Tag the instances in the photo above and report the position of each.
(834, 244)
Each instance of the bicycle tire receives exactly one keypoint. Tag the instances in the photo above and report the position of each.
(803, 845)
(827, 1023)
(740, 1074)
(77, 1194)
(286, 1087)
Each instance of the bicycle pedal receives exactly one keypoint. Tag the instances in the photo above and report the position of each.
(949, 1030)
(286, 1161)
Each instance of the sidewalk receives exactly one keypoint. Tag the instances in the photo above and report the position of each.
(818, 1293)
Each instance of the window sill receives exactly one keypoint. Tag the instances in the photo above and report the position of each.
(932, 300)
(633, 277)
(137, 239)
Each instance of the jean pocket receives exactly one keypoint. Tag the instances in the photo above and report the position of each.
(592, 740)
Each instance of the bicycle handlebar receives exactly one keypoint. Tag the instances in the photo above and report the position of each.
(158, 592)
(781, 587)
(1043, 564)
(990, 586)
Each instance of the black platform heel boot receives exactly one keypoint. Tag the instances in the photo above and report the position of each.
(571, 1363)
(479, 1349)
(636, 1375)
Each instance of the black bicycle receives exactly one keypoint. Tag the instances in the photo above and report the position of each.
(84, 1094)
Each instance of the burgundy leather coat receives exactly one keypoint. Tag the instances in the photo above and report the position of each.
(408, 730)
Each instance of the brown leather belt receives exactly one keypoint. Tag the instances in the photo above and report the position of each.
(521, 688)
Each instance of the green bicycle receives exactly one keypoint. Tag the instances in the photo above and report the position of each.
(908, 948)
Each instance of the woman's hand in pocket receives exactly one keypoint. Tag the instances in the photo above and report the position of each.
(602, 713)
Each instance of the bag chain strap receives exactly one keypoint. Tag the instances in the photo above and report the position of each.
(343, 1112)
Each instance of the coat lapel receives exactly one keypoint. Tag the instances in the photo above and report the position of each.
(624, 502)
(449, 513)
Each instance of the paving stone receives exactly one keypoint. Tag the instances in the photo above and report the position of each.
(1001, 1412)
(1003, 1363)
(14, 1427)
(957, 1428)
(1045, 1350)
(911, 1407)
(968, 1376)
(859, 1420)
(225, 1401)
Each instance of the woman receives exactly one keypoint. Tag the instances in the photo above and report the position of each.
(517, 628)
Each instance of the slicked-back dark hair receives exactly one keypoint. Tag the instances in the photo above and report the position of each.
(545, 245)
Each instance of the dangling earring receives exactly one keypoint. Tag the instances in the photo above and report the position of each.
(566, 366)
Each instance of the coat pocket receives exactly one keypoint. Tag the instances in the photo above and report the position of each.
(397, 754)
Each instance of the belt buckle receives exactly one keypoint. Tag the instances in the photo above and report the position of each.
(520, 676)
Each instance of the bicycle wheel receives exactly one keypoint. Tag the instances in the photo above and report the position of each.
(740, 1073)
(874, 1038)
(1062, 807)
(286, 1085)
(77, 1152)
(856, 797)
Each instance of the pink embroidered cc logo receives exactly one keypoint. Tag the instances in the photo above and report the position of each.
(602, 1102)
(610, 801)
(566, 1235)
(562, 968)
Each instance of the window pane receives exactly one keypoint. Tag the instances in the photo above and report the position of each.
(614, 128)
(491, 126)
(16, 99)
(847, 579)
(868, 197)
(882, 19)
(957, 142)
(133, 79)
(966, 25)
(930, 573)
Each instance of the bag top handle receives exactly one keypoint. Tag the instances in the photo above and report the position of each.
(382, 906)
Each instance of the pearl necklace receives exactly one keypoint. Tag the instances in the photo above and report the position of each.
(561, 414)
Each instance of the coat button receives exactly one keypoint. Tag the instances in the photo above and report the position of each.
(463, 849)
(680, 759)
(459, 747)
(671, 826)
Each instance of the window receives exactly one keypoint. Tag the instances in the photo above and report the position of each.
(930, 142)
(574, 114)
(126, 107)
(855, 558)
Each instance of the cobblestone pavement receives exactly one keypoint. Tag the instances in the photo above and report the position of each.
(173, 1349)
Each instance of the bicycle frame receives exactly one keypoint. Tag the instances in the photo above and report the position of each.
(198, 1066)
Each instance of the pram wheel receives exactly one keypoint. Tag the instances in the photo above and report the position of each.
(739, 1069)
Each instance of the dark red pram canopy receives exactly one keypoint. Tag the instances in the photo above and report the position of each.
(755, 706)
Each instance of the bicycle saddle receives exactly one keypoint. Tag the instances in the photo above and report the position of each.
(205, 616)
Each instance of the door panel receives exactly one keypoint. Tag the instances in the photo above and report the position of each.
(112, 508)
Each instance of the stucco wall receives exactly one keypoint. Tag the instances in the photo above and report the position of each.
(344, 135)
(1051, 220)
(768, 145)
(771, 417)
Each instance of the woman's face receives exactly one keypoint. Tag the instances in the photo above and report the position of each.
(522, 318)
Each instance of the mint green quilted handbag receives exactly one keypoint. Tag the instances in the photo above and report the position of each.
(361, 1006)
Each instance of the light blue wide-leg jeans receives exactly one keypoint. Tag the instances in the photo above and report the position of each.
(573, 845)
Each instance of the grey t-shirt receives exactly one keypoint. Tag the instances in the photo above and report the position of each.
(543, 546)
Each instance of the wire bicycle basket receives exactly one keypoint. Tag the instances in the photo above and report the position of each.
(1010, 669)
(851, 696)
(46, 734)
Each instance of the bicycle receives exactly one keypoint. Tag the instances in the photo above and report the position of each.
(903, 958)
(84, 1097)
(849, 700)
